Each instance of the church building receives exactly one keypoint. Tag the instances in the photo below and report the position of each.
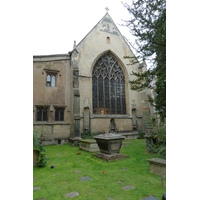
(87, 89)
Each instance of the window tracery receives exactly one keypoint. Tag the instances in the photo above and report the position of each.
(108, 87)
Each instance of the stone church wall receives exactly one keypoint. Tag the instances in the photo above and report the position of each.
(52, 97)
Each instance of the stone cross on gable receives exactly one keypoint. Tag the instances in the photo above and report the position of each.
(107, 9)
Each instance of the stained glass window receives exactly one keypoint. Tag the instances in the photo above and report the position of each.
(108, 87)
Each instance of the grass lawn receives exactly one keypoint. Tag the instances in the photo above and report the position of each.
(70, 167)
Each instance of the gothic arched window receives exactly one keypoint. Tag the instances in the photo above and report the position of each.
(108, 87)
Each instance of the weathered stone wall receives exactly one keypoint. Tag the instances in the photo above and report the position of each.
(102, 125)
(51, 97)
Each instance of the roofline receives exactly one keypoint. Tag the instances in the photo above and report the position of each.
(55, 57)
(91, 30)
(116, 27)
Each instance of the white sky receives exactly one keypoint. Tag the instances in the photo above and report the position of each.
(56, 24)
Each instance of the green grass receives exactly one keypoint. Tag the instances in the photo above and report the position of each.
(57, 182)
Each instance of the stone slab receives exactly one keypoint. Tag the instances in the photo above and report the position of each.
(112, 157)
(77, 171)
(36, 188)
(150, 198)
(72, 194)
(89, 145)
(157, 166)
(85, 178)
(128, 187)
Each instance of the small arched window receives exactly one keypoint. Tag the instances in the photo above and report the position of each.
(108, 87)
(108, 40)
(51, 80)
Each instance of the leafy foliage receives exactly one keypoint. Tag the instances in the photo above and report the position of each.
(148, 25)
(158, 137)
(37, 145)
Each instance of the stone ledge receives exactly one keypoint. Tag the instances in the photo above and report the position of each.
(157, 161)
(112, 157)
(157, 166)
(89, 145)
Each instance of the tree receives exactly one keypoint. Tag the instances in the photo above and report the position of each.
(148, 25)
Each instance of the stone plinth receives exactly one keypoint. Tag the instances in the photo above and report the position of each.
(157, 166)
(89, 145)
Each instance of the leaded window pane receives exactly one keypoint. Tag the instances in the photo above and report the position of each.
(112, 96)
(118, 96)
(107, 101)
(53, 81)
(94, 90)
(123, 97)
(39, 114)
(61, 114)
(56, 114)
(100, 88)
(48, 78)
(44, 114)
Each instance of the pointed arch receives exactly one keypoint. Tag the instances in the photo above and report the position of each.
(108, 85)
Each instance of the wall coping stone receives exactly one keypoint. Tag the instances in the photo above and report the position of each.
(157, 161)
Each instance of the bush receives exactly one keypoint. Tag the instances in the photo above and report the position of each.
(37, 145)
(141, 134)
(159, 138)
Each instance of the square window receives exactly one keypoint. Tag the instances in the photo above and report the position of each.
(42, 114)
(51, 80)
(59, 114)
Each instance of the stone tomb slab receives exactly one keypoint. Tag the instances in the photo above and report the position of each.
(157, 166)
(77, 171)
(36, 188)
(111, 157)
(89, 145)
(150, 198)
(72, 194)
(85, 178)
(128, 187)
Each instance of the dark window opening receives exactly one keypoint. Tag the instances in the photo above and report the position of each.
(59, 114)
(41, 114)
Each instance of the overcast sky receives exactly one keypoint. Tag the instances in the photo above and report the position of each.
(56, 24)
